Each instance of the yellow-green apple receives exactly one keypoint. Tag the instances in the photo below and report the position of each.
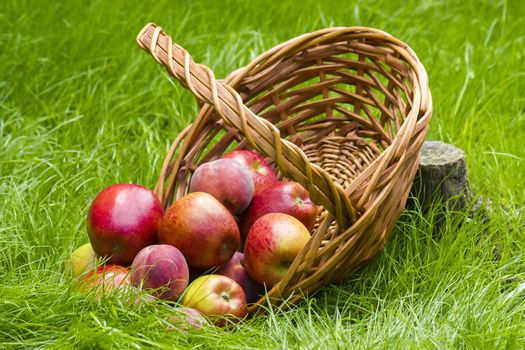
(262, 173)
(236, 270)
(202, 229)
(105, 279)
(272, 244)
(226, 180)
(285, 197)
(82, 260)
(161, 268)
(216, 296)
(122, 220)
(186, 319)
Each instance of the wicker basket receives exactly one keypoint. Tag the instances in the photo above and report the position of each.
(343, 111)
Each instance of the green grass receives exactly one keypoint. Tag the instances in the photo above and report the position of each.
(81, 107)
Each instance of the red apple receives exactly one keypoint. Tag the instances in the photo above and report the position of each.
(105, 279)
(186, 319)
(139, 297)
(122, 220)
(163, 268)
(272, 245)
(236, 271)
(202, 229)
(285, 197)
(262, 173)
(113, 278)
(226, 180)
(216, 296)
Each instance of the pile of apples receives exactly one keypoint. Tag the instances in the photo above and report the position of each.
(214, 251)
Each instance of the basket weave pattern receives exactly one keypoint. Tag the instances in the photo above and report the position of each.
(342, 111)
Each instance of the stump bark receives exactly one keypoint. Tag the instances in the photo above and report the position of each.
(442, 177)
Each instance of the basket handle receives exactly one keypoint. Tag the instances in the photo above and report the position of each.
(260, 133)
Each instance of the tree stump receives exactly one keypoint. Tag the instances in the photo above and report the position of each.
(441, 188)
(442, 177)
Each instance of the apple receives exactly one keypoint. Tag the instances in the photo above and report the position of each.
(163, 268)
(122, 220)
(236, 271)
(262, 173)
(113, 278)
(186, 319)
(285, 197)
(202, 229)
(82, 260)
(216, 296)
(139, 297)
(272, 244)
(106, 278)
(227, 180)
